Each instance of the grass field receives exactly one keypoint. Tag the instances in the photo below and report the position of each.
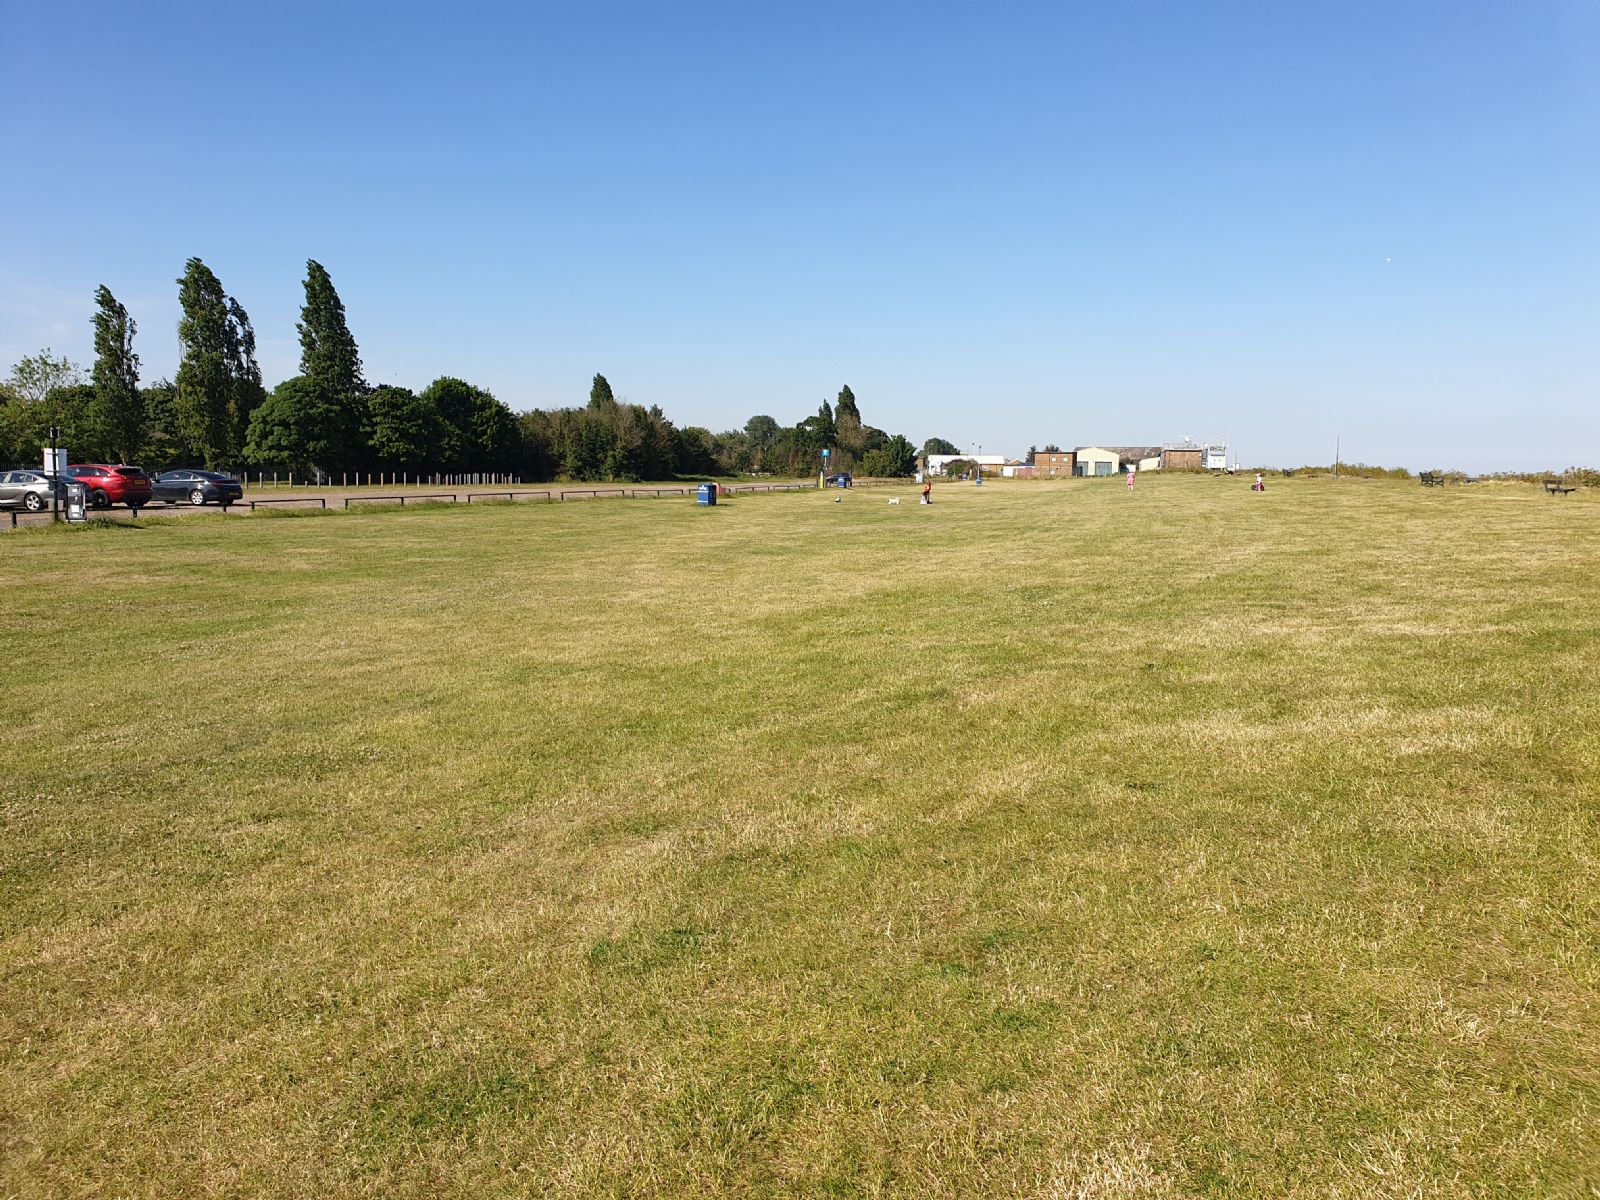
(1051, 841)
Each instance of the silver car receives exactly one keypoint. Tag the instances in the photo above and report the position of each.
(31, 490)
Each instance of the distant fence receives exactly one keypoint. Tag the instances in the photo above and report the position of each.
(553, 495)
(319, 501)
(510, 496)
(400, 500)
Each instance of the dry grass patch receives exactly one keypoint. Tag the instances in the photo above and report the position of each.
(1051, 841)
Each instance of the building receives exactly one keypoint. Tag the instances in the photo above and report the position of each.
(991, 463)
(1145, 458)
(1053, 464)
(1095, 460)
(1182, 456)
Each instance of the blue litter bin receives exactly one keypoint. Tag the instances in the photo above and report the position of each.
(706, 493)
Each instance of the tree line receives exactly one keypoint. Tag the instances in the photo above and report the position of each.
(328, 419)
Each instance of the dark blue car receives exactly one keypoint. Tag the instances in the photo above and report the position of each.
(191, 486)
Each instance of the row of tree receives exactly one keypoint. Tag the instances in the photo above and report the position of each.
(328, 419)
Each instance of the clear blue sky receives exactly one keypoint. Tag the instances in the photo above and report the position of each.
(1000, 224)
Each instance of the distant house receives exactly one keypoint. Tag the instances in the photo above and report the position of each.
(1182, 456)
(1053, 464)
(1145, 458)
(1095, 460)
(991, 463)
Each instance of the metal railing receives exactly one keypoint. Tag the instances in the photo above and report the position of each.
(401, 500)
(319, 501)
(509, 496)
(549, 494)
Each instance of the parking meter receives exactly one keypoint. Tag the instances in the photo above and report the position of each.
(77, 502)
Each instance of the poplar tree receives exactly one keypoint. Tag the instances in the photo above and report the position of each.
(219, 383)
(116, 416)
(328, 354)
(330, 363)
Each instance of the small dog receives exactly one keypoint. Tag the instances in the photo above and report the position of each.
(894, 499)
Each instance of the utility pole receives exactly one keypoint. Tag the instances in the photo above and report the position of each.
(1336, 456)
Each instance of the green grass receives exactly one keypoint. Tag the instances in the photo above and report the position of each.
(1049, 842)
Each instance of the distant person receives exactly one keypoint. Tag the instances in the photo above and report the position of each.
(927, 491)
(1258, 485)
(1132, 470)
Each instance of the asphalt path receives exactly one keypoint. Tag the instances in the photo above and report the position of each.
(337, 498)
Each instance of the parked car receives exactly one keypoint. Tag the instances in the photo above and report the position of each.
(198, 487)
(842, 479)
(113, 485)
(31, 490)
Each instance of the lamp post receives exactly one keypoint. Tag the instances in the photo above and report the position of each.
(55, 473)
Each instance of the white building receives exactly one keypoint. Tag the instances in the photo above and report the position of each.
(1096, 460)
(991, 463)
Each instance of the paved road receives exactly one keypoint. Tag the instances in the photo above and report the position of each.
(336, 497)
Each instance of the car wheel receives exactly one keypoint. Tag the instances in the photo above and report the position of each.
(33, 502)
(197, 497)
(99, 499)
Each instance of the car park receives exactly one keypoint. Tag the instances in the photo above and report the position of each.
(108, 485)
(842, 479)
(191, 486)
(31, 490)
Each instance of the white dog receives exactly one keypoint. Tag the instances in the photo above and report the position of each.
(894, 499)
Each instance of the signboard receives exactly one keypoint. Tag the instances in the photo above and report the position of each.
(824, 452)
(55, 461)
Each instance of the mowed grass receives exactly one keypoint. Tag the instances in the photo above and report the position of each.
(1051, 841)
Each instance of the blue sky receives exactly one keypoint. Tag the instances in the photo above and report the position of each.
(1000, 224)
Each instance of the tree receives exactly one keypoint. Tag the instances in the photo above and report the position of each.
(40, 393)
(116, 417)
(297, 427)
(850, 432)
(732, 451)
(328, 354)
(938, 446)
(1051, 448)
(485, 429)
(1029, 457)
(219, 383)
(600, 397)
(162, 445)
(37, 375)
(895, 458)
(762, 431)
(405, 430)
(696, 451)
(330, 360)
(821, 428)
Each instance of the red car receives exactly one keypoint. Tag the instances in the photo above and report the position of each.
(113, 485)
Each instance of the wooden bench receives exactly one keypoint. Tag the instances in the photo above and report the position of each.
(1556, 488)
(1429, 479)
